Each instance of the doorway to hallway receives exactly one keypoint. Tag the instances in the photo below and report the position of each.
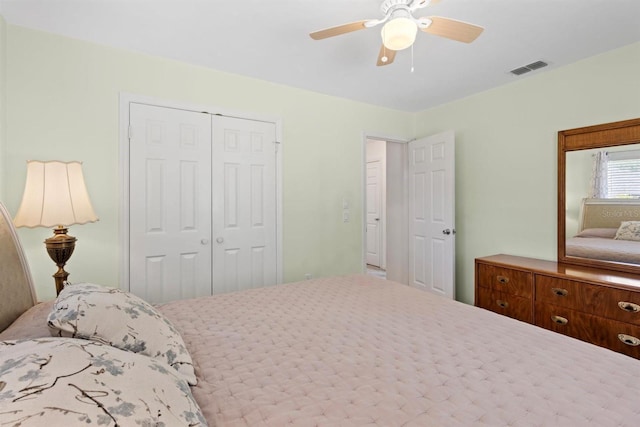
(411, 204)
(385, 214)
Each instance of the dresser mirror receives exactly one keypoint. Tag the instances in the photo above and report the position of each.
(598, 204)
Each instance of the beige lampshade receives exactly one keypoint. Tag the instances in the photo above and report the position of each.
(54, 194)
(399, 33)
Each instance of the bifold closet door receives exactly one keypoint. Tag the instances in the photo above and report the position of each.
(244, 204)
(169, 203)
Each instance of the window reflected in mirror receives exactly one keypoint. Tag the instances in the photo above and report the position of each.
(603, 204)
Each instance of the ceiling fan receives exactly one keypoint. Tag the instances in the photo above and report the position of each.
(400, 27)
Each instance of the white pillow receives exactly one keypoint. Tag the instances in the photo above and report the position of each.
(71, 382)
(119, 319)
(629, 230)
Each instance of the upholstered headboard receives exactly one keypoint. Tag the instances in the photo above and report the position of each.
(17, 294)
(608, 213)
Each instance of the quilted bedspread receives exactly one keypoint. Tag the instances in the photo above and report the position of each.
(361, 351)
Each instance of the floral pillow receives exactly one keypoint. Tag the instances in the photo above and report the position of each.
(629, 230)
(119, 319)
(67, 382)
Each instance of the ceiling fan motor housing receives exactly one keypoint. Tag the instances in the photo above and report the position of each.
(388, 5)
(393, 9)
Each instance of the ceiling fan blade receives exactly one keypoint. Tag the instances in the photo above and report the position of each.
(453, 29)
(340, 29)
(385, 53)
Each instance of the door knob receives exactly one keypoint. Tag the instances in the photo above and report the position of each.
(204, 241)
(219, 240)
(377, 219)
(446, 231)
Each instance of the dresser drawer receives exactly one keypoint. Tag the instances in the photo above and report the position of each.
(506, 304)
(504, 279)
(617, 336)
(561, 292)
(615, 304)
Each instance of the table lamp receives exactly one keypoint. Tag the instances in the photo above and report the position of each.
(55, 195)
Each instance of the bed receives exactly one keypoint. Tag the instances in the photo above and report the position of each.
(344, 351)
(609, 231)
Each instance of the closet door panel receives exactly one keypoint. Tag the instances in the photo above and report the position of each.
(169, 203)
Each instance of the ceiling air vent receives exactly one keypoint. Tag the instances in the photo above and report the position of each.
(530, 67)
(519, 71)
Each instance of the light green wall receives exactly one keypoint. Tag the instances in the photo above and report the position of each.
(506, 147)
(63, 104)
(3, 89)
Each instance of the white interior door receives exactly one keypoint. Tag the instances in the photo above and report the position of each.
(432, 214)
(374, 212)
(170, 203)
(244, 204)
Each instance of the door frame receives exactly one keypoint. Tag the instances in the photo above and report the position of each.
(123, 168)
(363, 173)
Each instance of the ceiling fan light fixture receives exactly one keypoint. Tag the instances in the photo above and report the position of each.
(399, 33)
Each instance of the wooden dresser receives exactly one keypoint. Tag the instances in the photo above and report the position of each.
(595, 305)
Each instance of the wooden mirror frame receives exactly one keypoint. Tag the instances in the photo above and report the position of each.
(600, 136)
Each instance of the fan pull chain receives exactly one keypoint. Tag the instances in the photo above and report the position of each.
(412, 59)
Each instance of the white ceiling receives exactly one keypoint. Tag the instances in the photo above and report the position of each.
(268, 40)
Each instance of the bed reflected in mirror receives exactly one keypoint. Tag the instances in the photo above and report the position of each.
(599, 196)
(603, 204)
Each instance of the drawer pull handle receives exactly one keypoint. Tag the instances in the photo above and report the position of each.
(502, 303)
(560, 292)
(503, 280)
(560, 320)
(629, 306)
(629, 340)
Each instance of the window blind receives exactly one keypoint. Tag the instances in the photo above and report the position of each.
(623, 174)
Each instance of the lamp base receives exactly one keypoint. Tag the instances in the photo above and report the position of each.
(60, 246)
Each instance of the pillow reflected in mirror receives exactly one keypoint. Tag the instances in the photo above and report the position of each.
(601, 233)
(629, 230)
